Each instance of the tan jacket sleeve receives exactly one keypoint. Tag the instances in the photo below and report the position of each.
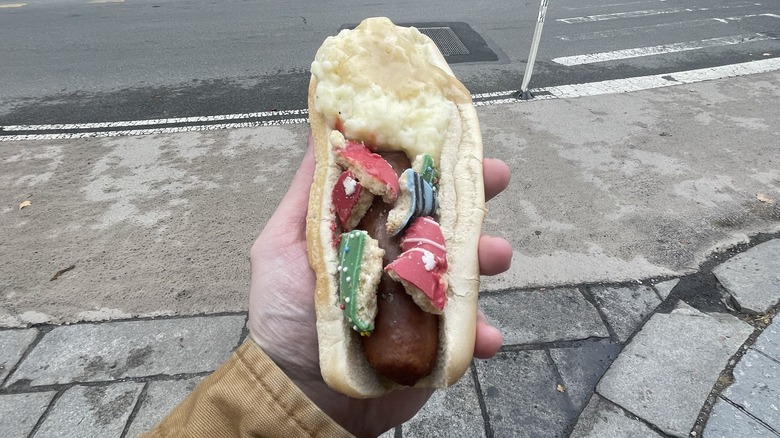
(248, 396)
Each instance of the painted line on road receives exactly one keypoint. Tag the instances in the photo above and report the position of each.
(658, 27)
(12, 5)
(484, 99)
(150, 131)
(611, 5)
(648, 13)
(663, 49)
(665, 80)
(171, 121)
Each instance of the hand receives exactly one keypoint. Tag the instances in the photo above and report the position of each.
(281, 307)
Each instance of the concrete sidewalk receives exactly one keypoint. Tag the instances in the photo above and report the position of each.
(646, 229)
(591, 360)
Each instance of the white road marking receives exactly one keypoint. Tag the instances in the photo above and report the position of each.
(579, 8)
(167, 130)
(655, 28)
(172, 121)
(12, 5)
(638, 52)
(647, 13)
(493, 94)
(558, 92)
(665, 80)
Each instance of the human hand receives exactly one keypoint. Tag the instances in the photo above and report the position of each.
(282, 316)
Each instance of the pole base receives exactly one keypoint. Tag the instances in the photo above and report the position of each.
(524, 95)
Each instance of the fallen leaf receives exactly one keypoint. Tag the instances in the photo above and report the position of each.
(765, 198)
(61, 271)
(560, 388)
(25, 204)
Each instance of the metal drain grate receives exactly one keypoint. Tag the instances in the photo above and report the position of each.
(445, 39)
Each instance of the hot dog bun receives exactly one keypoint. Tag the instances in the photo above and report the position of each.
(378, 65)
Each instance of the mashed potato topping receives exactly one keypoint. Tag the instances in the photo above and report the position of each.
(379, 85)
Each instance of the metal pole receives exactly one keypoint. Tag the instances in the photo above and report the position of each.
(525, 94)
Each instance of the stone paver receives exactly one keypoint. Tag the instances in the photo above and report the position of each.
(664, 375)
(91, 411)
(602, 419)
(726, 421)
(769, 341)
(581, 368)
(669, 368)
(95, 352)
(13, 344)
(20, 412)
(520, 394)
(753, 277)
(160, 397)
(756, 387)
(537, 316)
(625, 307)
(664, 288)
(453, 412)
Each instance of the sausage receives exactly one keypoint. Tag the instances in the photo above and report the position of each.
(405, 341)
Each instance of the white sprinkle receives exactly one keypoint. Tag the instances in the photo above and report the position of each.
(344, 269)
(349, 279)
(428, 260)
(346, 299)
(349, 186)
(354, 327)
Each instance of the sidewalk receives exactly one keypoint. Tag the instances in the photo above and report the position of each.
(641, 300)
(614, 360)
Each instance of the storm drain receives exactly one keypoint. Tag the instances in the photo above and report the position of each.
(448, 43)
(456, 40)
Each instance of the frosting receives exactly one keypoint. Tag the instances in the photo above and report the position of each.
(423, 164)
(424, 233)
(351, 251)
(425, 272)
(373, 171)
(350, 200)
(417, 198)
(423, 264)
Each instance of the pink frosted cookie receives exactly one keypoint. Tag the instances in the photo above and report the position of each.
(423, 276)
(350, 200)
(373, 171)
(424, 233)
(422, 267)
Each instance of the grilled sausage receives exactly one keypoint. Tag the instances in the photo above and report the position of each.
(404, 344)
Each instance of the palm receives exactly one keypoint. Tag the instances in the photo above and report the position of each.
(282, 318)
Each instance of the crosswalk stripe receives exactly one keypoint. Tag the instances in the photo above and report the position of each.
(638, 52)
(658, 27)
(646, 13)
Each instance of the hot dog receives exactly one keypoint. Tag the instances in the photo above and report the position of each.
(395, 211)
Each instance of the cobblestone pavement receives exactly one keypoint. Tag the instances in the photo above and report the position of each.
(692, 356)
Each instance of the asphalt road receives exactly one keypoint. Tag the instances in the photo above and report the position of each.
(75, 61)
